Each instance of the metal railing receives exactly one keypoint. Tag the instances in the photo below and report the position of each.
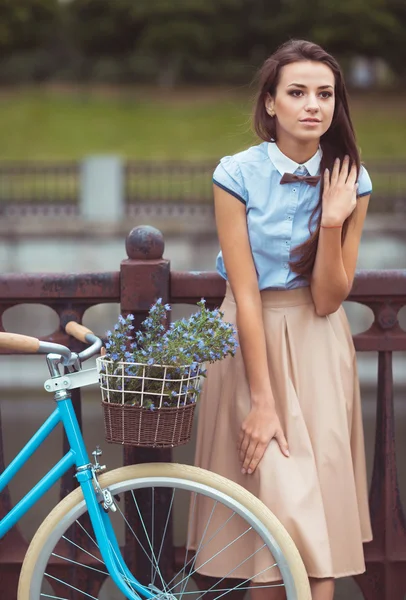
(145, 276)
(54, 188)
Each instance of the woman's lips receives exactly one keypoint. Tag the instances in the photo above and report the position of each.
(312, 122)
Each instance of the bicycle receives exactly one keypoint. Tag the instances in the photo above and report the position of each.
(81, 535)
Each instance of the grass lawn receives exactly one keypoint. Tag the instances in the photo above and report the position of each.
(56, 123)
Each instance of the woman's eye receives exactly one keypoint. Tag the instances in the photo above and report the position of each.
(295, 93)
(326, 95)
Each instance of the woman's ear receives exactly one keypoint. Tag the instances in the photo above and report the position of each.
(270, 105)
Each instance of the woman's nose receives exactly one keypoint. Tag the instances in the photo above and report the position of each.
(312, 104)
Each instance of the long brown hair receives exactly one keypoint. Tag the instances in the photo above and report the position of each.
(336, 142)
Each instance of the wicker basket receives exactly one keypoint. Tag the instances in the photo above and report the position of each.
(148, 405)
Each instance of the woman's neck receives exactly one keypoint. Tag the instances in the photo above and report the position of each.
(298, 151)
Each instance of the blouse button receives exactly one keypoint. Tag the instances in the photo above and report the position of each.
(286, 266)
(294, 190)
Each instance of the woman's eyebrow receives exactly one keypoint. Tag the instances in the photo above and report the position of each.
(300, 85)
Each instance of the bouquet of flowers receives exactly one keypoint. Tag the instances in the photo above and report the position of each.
(159, 371)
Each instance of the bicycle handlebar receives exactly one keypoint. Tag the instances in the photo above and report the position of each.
(19, 343)
(79, 332)
(31, 345)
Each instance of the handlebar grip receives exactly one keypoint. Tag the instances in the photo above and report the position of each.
(78, 331)
(19, 343)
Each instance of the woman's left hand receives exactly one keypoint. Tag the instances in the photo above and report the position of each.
(339, 194)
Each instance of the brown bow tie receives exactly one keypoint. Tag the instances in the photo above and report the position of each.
(310, 179)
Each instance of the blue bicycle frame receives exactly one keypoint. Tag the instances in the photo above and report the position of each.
(76, 456)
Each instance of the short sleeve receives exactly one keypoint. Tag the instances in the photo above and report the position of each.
(364, 183)
(228, 177)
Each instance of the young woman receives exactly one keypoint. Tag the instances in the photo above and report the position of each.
(283, 417)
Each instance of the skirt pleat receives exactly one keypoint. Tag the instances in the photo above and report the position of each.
(320, 492)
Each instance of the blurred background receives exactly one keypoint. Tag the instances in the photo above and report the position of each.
(114, 113)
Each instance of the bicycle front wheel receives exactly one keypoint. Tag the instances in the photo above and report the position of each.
(63, 560)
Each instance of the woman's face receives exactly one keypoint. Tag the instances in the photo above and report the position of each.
(304, 101)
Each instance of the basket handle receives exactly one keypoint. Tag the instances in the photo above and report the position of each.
(79, 332)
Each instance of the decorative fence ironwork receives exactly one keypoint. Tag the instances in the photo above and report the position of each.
(53, 189)
(145, 276)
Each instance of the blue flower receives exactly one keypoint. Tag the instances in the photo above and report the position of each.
(167, 307)
(150, 361)
(121, 319)
(114, 356)
(116, 326)
(108, 345)
(130, 317)
(123, 348)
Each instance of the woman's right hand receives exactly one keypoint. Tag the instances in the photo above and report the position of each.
(257, 430)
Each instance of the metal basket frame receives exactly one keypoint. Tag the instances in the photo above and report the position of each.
(135, 423)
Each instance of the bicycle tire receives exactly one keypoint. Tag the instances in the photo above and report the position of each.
(126, 478)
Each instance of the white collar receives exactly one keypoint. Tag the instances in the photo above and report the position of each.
(284, 164)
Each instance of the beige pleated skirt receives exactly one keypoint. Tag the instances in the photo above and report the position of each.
(320, 492)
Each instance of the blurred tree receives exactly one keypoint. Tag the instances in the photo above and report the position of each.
(26, 24)
(106, 27)
(196, 40)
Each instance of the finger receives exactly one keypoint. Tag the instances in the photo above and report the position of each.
(344, 169)
(249, 456)
(352, 177)
(256, 459)
(245, 442)
(326, 178)
(336, 171)
(102, 351)
(283, 443)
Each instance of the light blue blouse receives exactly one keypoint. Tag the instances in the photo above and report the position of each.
(277, 215)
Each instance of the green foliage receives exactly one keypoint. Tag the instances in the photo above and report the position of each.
(196, 40)
(155, 367)
(26, 24)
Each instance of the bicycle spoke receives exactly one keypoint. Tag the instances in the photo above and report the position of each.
(87, 533)
(200, 545)
(215, 555)
(75, 562)
(204, 545)
(165, 530)
(257, 587)
(72, 587)
(183, 570)
(82, 549)
(213, 587)
(152, 533)
(148, 540)
(237, 587)
(139, 542)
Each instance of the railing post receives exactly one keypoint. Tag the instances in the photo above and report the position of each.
(102, 189)
(145, 277)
